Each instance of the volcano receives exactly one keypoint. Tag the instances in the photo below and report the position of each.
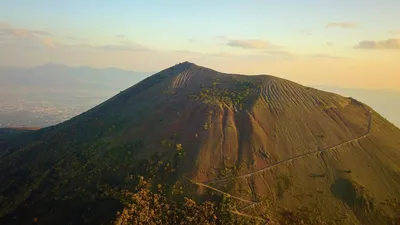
(280, 150)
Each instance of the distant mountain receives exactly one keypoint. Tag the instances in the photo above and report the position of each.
(64, 78)
(282, 153)
(386, 102)
(49, 94)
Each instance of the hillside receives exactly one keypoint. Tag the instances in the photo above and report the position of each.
(383, 101)
(12, 132)
(280, 151)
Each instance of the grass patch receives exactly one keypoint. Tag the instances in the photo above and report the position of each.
(237, 96)
(283, 184)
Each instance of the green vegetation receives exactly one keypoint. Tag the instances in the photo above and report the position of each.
(179, 151)
(206, 126)
(287, 216)
(240, 94)
(283, 184)
(229, 169)
(144, 206)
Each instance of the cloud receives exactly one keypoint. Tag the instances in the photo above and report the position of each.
(121, 45)
(105, 48)
(48, 42)
(11, 34)
(305, 32)
(384, 44)
(206, 54)
(344, 25)
(329, 43)
(281, 54)
(121, 48)
(28, 37)
(250, 44)
(221, 54)
(40, 33)
(278, 53)
(188, 52)
(326, 56)
(394, 32)
(74, 38)
(22, 33)
(124, 44)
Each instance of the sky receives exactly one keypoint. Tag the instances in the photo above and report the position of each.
(345, 43)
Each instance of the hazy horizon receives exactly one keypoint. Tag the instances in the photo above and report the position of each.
(348, 44)
(318, 85)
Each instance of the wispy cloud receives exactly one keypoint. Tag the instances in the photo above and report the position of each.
(282, 54)
(394, 32)
(74, 38)
(251, 44)
(344, 25)
(48, 42)
(383, 44)
(329, 43)
(306, 32)
(221, 54)
(214, 54)
(221, 37)
(21, 33)
(188, 52)
(125, 42)
(278, 53)
(107, 47)
(12, 34)
(326, 56)
(121, 48)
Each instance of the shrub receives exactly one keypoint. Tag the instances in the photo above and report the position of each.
(147, 207)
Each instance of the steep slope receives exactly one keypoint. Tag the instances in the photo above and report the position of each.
(9, 133)
(282, 151)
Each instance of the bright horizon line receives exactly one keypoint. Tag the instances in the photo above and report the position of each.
(227, 72)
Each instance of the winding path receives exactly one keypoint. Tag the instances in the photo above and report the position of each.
(251, 203)
(299, 156)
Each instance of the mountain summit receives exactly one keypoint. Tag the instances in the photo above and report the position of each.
(277, 148)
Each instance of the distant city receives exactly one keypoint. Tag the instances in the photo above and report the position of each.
(24, 112)
(50, 94)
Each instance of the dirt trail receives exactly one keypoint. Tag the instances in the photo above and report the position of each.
(236, 212)
(299, 156)
(250, 216)
(251, 203)
(222, 192)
